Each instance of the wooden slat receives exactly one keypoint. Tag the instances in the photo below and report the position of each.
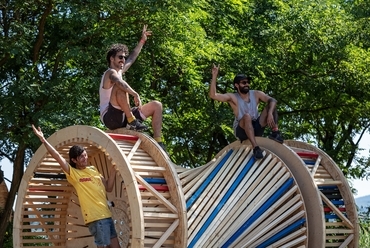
(346, 221)
(148, 168)
(347, 241)
(299, 234)
(315, 167)
(160, 215)
(158, 195)
(165, 236)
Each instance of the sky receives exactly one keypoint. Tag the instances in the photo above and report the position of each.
(362, 186)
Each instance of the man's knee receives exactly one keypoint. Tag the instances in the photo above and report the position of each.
(247, 118)
(157, 104)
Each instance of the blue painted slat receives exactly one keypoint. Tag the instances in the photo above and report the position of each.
(155, 180)
(291, 228)
(328, 187)
(331, 216)
(310, 162)
(224, 199)
(278, 193)
(206, 182)
(338, 202)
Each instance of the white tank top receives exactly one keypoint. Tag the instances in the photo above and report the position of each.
(104, 95)
(250, 108)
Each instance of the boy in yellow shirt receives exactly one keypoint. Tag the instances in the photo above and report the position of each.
(91, 189)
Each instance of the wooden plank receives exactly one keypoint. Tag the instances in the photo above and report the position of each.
(148, 168)
(212, 193)
(338, 231)
(251, 199)
(160, 215)
(296, 242)
(345, 220)
(255, 230)
(196, 170)
(157, 225)
(301, 233)
(275, 226)
(256, 207)
(315, 167)
(322, 182)
(134, 149)
(191, 188)
(243, 198)
(166, 235)
(347, 241)
(158, 195)
(226, 175)
(279, 228)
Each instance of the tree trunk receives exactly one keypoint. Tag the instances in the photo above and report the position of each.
(17, 176)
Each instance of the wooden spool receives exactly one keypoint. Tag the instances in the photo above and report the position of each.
(274, 203)
(48, 209)
(3, 195)
(339, 208)
(232, 201)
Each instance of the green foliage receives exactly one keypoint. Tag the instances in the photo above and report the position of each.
(364, 222)
(9, 236)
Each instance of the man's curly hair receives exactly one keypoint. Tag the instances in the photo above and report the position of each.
(114, 49)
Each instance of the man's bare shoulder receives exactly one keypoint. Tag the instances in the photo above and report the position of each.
(107, 80)
(260, 95)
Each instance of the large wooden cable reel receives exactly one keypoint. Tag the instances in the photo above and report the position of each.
(47, 205)
(3, 194)
(232, 201)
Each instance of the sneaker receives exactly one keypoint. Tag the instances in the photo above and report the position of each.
(162, 146)
(136, 126)
(275, 135)
(257, 152)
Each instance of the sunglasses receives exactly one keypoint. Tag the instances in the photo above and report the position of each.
(122, 57)
(244, 82)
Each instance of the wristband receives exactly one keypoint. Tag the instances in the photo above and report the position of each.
(142, 41)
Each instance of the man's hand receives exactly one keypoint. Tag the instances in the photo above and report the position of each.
(215, 70)
(270, 120)
(137, 101)
(145, 33)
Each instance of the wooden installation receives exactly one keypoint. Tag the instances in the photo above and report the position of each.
(294, 197)
(3, 194)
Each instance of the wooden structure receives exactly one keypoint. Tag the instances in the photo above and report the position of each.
(3, 194)
(232, 201)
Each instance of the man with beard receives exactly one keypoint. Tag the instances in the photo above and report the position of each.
(248, 122)
(115, 110)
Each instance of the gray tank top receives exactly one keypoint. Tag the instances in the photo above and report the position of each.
(244, 107)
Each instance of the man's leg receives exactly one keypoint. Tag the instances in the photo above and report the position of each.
(154, 109)
(123, 101)
(114, 243)
(246, 124)
(275, 134)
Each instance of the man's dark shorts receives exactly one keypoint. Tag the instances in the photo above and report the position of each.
(115, 118)
(258, 130)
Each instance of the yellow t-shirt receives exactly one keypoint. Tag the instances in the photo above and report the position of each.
(91, 193)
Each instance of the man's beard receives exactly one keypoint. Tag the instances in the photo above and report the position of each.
(244, 90)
